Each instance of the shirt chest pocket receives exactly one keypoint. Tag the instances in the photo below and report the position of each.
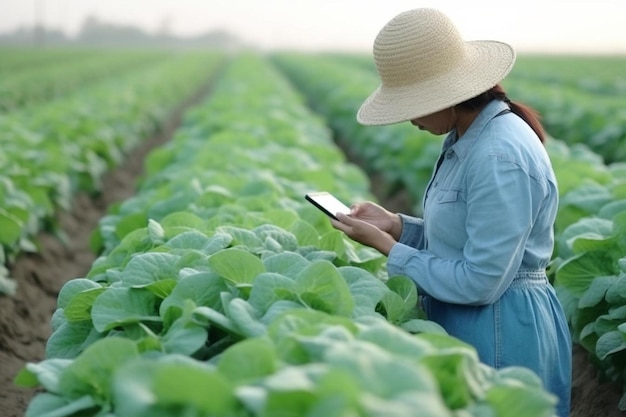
(445, 219)
(447, 196)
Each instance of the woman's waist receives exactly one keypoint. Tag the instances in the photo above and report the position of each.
(530, 278)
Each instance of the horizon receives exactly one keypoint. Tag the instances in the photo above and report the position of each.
(537, 26)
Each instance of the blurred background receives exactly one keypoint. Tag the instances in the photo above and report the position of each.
(555, 26)
(88, 88)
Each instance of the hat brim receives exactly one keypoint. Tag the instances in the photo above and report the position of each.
(485, 64)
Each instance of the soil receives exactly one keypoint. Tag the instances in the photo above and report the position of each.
(25, 317)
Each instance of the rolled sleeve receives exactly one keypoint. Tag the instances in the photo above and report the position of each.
(412, 231)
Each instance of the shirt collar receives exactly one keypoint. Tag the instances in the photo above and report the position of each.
(462, 146)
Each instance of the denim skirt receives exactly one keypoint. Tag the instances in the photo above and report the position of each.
(525, 327)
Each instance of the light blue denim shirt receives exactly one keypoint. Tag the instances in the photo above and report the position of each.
(489, 211)
(479, 254)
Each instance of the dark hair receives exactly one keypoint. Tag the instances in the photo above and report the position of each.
(528, 114)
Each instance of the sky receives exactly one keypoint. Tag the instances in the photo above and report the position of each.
(559, 26)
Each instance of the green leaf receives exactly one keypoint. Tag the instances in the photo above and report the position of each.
(594, 242)
(444, 342)
(184, 337)
(391, 338)
(366, 289)
(70, 339)
(171, 385)
(49, 405)
(136, 241)
(246, 318)
(521, 401)
(592, 227)
(249, 360)
(321, 287)
(415, 326)
(269, 288)
(305, 233)
(79, 307)
(147, 268)
(161, 288)
(203, 288)
(597, 290)
(92, 372)
(156, 232)
(286, 240)
(185, 219)
(118, 306)
(131, 223)
(577, 273)
(393, 308)
(333, 241)
(610, 210)
(339, 395)
(46, 374)
(312, 254)
(380, 372)
(189, 240)
(236, 266)
(406, 289)
(281, 218)
(242, 237)
(590, 197)
(452, 371)
(616, 293)
(288, 264)
(11, 228)
(288, 403)
(186, 386)
(206, 316)
(587, 337)
(521, 374)
(279, 308)
(73, 287)
(610, 343)
(218, 242)
(286, 325)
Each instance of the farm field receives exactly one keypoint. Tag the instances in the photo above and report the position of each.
(101, 252)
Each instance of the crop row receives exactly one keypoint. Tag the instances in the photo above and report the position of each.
(39, 83)
(23, 59)
(577, 117)
(588, 266)
(50, 152)
(598, 75)
(221, 291)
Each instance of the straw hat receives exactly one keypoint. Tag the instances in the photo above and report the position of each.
(425, 66)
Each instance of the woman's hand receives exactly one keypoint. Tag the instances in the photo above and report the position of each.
(371, 225)
(378, 216)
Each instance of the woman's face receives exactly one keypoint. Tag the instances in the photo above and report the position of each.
(437, 123)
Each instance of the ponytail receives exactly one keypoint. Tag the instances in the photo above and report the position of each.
(528, 114)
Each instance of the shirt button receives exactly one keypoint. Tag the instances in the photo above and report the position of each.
(449, 155)
(436, 183)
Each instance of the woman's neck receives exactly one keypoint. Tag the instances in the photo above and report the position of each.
(464, 119)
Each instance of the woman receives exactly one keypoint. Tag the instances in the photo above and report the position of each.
(479, 254)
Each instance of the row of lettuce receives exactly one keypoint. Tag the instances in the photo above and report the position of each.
(220, 291)
(33, 76)
(581, 99)
(589, 262)
(63, 146)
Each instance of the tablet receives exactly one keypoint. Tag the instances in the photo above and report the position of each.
(327, 203)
